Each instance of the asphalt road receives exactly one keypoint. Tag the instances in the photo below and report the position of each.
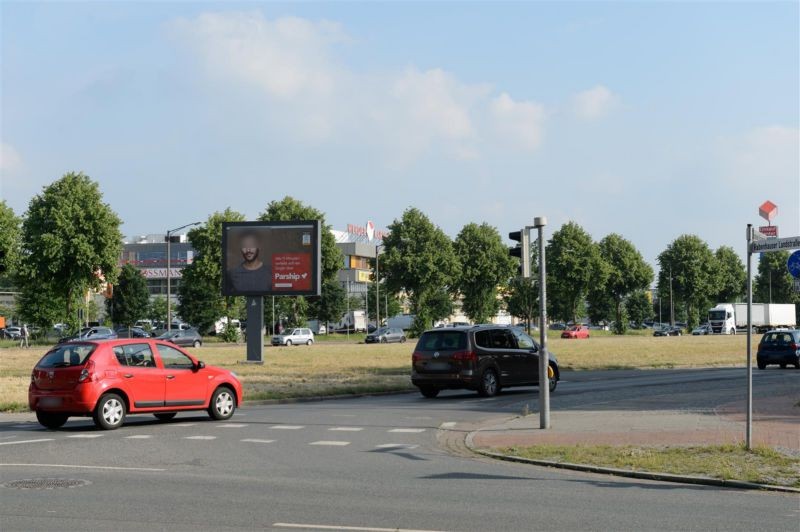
(368, 464)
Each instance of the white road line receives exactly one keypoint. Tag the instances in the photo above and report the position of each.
(346, 429)
(287, 427)
(408, 431)
(345, 528)
(200, 438)
(396, 446)
(26, 441)
(28, 426)
(86, 436)
(232, 425)
(183, 425)
(331, 443)
(254, 440)
(69, 466)
(138, 437)
(447, 425)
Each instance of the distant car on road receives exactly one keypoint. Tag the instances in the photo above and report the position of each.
(133, 332)
(779, 347)
(485, 358)
(12, 333)
(91, 333)
(703, 330)
(109, 380)
(668, 331)
(576, 331)
(183, 338)
(557, 327)
(386, 335)
(297, 336)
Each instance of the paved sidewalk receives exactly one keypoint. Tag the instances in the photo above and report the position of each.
(776, 424)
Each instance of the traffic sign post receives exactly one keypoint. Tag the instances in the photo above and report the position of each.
(756, 243)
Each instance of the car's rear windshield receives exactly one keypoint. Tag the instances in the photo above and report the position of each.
(778, 338)
(442, 341)
(67, 355)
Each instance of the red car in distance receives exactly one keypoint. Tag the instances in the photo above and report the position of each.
(576, 331)
(107, 380)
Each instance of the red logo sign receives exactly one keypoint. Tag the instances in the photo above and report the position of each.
(768, 210)
(769, 230)
(291, 271)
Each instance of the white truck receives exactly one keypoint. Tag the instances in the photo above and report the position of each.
(354, 321)
(727, 318)
(401, 321)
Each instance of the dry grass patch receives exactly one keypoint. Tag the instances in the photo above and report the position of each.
(729, 462)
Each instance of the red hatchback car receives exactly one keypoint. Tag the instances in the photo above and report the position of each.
(109, 379)
(576, 331)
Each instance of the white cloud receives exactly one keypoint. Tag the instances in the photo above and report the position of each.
(292, 64)
(519, 122)
(593, 103)
(10, 159)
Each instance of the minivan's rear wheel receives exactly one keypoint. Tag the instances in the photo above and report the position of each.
(109, 413)
(51, 420)
(430, 393)
(165, 417)
(489, 386)
(223, 404)
(196, 344)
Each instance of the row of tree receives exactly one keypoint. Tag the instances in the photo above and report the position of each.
(69, 243)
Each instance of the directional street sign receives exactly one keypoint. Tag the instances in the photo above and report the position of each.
(793, 264)
(775, 244)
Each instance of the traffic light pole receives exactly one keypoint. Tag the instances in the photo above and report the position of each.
(544, 360)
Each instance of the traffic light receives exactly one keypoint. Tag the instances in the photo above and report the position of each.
(522, 250)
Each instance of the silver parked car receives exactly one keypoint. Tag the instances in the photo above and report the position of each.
(385, 335)
(300, 335)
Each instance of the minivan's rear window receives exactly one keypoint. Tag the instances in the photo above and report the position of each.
(442, 341)
(67, 355)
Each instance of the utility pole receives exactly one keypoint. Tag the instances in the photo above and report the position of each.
(671, 306)
(544, 359)
(169, 270)
(749, 427)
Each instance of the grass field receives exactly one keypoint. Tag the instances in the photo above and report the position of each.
(334, 368)
(728, 462)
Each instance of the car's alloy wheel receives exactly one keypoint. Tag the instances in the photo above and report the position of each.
(223, 404)
(51, 420)
(551, 378)
(109, 414)
(288, 342)
(489, 385)
(309, 342)
(197, 343)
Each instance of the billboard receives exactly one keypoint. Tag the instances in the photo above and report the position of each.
(271, 258)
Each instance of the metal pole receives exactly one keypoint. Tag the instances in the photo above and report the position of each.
(749, 429)
(169, 280)
(377, 290)
(273, 317)
(346, 324)
(671, 306)
(544, 359)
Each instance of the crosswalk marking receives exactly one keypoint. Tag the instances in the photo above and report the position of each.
(254, 440)
(346, 429)
(447, 425)
(232, 425)
(183, 425)
(200, 438)
(138, 437)
(85, 436)
(408, 431)
(332, 443)
(287, 427)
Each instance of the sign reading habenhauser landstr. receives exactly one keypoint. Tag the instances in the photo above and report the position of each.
(775, 244)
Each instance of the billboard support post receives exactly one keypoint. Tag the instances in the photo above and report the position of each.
(255, 329)
(749, 428)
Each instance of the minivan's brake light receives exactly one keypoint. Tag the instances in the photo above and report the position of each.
(465, 356)
(416, 357)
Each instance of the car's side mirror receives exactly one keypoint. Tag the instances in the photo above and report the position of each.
(200, 365)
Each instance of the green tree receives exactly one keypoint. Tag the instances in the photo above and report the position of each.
(773, 283)
(157, 309)
(626, 272)
(200, 299)
(130, 299)
(521, 297)
(390, 302)
(69, 238)
(41, 305)
(289, 209)
(485, 265)
(10, 235)
(732, 276)
(573, 267)
(638, 306)
(419, 260)
(695, 276)
(332, 304)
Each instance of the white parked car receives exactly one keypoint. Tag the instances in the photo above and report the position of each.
(298, 336)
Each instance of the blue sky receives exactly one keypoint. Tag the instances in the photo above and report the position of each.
(642, 118)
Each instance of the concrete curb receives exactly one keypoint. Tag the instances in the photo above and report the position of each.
(664, 477)
(318, 398)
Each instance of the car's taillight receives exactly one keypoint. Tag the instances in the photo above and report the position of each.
(465, 356)
(416, 357)
(87, 373)
(794, 346)
(33, 376)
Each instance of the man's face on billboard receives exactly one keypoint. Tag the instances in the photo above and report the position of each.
(249, 248)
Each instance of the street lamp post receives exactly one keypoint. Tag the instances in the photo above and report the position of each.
(544, 359)
(377, 290)
(169, 270)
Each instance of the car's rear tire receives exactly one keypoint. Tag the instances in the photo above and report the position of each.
(223, 404)
(51, 420)
(288, 342)
(165, 416)
(488, 386)
(783, 365)
(109, 414)
(383, 340)
(403, 340)
(430, 393)
(762, 365)
(309, 342)
(197, 344)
